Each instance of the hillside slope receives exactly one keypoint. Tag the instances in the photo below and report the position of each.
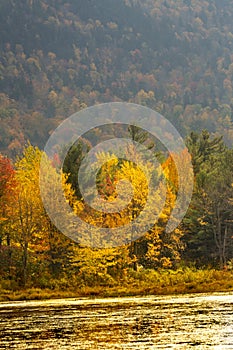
(60, 56)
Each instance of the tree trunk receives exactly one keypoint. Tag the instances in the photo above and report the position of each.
(134, 256)
(25, 262)
(8, 240)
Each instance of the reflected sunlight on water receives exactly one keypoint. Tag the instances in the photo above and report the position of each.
(177, 322)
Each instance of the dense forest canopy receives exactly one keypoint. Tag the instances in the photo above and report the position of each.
(58, 57)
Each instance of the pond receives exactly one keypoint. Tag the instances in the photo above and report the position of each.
(175, 322)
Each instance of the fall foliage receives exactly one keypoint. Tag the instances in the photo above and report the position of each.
(58, 57)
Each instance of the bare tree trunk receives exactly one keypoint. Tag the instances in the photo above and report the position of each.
(224, 246)
(219, 240)
(135, 263)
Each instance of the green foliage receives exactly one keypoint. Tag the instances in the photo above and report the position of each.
(72, 163)
(208, 222)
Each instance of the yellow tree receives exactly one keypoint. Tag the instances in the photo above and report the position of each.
(28, 221)
(37, 236)
(54, 188)
(100, 266)
(138, 192)
(156, 247)
(163, 246)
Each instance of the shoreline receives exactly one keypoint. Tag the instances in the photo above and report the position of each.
(141, 283)
(32, 294)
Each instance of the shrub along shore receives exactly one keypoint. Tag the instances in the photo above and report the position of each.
(145, 282)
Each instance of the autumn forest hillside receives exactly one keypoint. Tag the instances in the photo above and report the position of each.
(60, 56)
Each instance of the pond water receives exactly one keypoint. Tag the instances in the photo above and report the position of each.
(177, 322)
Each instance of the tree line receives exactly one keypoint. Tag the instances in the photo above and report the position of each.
(34, 253)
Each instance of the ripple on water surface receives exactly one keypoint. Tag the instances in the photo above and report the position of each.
(179, 322)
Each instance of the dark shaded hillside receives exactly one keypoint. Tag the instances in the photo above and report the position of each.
(60, 56)
(50, 26)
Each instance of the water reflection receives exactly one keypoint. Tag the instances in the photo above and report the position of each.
(190, 322)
